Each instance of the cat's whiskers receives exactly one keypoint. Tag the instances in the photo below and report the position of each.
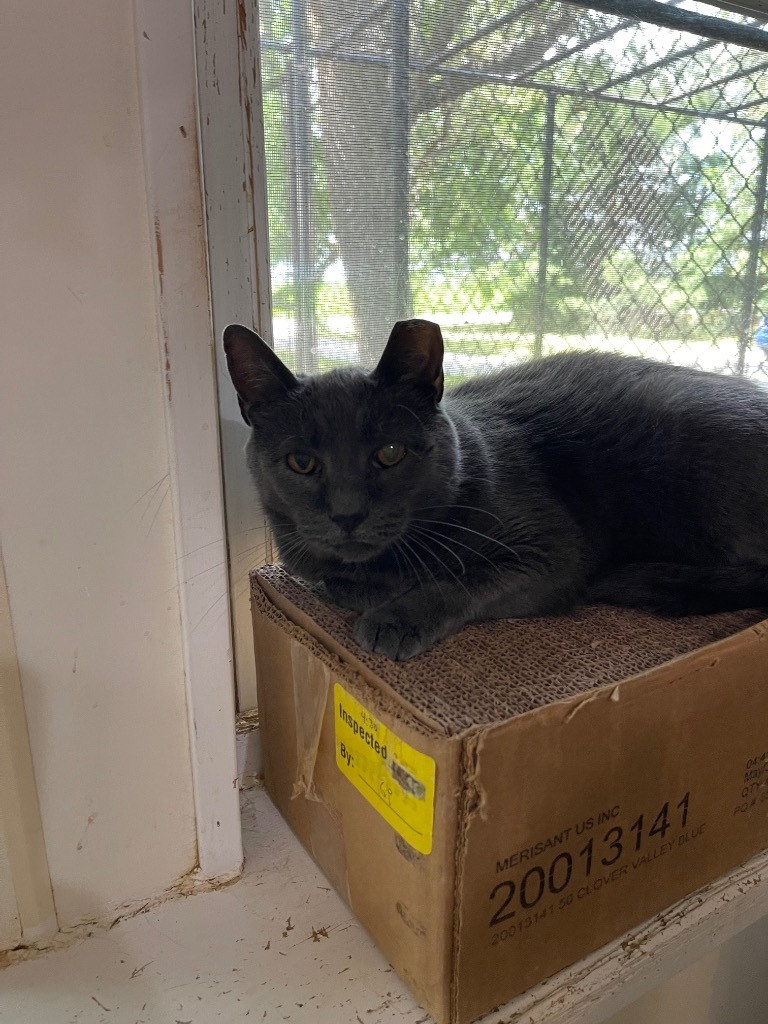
(289, 531)
(397, 559)
(471, 508)
(294, 546)
(233, 565)
(236, 596)
(413, 568)
(245, 552)
(475, 551)
(466, 547)
(435, 538)
(406, 409)
(421, 560)
(238, 585)
(440, 561)
(468, 529)
(218, 540)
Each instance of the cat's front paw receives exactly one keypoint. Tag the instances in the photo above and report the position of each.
(387, 631)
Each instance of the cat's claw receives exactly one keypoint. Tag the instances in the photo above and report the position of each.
(385, 632)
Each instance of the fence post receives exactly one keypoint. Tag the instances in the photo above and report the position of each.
(755, 237)
(300, 196)
(400, 129)
(546, 203)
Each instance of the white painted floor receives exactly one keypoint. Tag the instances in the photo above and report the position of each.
(278, 945)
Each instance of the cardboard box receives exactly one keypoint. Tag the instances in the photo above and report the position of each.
(524, 793)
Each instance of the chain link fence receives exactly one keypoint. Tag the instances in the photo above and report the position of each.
(535, 176)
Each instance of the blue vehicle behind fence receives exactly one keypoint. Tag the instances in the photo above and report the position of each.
(761, 336)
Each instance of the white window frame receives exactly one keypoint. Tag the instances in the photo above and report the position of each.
(234, 172)
(165, 47)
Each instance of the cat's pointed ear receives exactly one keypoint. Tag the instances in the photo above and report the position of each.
(258, 374)
(414, 354)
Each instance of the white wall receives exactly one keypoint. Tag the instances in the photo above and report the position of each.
(85, 512)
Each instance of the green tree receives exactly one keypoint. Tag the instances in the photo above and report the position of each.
(648, 223)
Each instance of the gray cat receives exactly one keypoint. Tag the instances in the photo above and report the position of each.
(578, 477)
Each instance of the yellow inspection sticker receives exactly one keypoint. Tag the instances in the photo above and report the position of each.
(395, 779)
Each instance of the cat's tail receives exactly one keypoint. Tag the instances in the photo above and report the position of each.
(673, 589)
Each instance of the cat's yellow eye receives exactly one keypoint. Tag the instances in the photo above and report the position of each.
(390, 454)
(299, 462)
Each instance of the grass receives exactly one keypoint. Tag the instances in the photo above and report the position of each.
(492, 336)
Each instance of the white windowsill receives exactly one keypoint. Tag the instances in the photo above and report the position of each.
(280, 945)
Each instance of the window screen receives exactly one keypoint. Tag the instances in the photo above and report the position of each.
(533, 175)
